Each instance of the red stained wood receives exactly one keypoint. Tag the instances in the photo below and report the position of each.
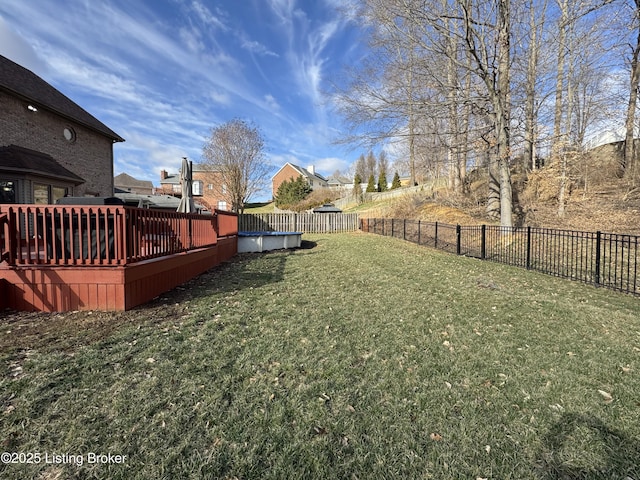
(119, 287)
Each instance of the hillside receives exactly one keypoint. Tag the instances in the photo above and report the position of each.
(597, 198)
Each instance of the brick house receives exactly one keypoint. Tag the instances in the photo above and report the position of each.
(49, 146)
(290, 172)
(208, 187)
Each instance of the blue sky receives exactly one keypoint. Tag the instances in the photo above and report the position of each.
(161, 73)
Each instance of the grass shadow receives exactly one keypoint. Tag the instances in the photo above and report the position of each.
(605, 452)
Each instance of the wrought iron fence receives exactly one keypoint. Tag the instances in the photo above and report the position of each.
(603, 259)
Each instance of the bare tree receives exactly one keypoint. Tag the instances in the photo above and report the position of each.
(630, 162)
(235, 151)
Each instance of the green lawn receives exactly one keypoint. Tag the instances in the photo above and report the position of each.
(363, 357)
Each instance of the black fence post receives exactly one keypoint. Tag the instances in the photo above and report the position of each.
(528, 248)
(418, 232)
(435, 240)
(404, 229)
(483, 243)
(392, 229)
(458, 246)
(596, 279)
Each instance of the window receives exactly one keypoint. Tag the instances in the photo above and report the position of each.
(210, 186)
(40, 193)
(197, 188)
(222, 205)
(224, 189)
(47, 194)
(57, 192)
(8, 191)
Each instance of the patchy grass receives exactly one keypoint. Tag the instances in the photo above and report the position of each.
(266, 207)
(362, 357)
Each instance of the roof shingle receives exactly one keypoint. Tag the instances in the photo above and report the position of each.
(21, 82)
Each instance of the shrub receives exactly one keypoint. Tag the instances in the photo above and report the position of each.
(291, 192)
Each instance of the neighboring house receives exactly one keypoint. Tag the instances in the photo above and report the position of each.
(126, 183)
(49, 146)
(340, 183)
(208, 187)
(290, 172)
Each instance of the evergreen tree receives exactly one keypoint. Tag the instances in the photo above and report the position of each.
(382, 182)
(292, 191)
(371, 186)
(396, 182)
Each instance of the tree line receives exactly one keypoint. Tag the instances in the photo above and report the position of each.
(497, 84)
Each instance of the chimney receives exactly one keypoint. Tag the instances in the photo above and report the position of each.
(163, 174)
(311, 169)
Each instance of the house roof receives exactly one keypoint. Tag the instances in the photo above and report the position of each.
(25, 84)
(125, 180)
(339, 180)
(26, 161)
(302, 171)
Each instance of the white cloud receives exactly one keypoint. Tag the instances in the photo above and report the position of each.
(257, 48)
(271, 102)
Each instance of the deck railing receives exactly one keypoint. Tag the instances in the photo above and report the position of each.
(103, 235)
(604, 259)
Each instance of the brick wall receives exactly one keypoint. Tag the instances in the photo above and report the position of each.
(286, 173)
(90, 156)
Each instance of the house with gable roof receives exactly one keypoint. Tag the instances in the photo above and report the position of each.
(290, 172)
(125, 183)
(50, 147)
(208, 187)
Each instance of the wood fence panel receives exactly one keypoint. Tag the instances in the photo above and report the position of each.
(299, 222)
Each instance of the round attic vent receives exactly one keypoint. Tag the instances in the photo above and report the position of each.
(69, 134)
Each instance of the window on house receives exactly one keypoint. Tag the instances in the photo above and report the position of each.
(8, 192)
(224, 189)
(44, 194)
(41, 193)
(222, 205)
(210, 186)
(57, 192)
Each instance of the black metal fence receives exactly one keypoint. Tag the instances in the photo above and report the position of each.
(604, 259)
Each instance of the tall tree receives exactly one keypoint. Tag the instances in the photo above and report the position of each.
(383, 167)
(370, 163)
(235, 150)
(630, 162)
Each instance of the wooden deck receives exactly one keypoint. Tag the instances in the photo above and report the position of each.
(109, 258)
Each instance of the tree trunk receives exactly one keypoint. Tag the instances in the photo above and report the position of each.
(630, 164)
(558, 140)
(530, 91)
(502, 111)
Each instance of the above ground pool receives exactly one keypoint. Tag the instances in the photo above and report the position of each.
(265, 241)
